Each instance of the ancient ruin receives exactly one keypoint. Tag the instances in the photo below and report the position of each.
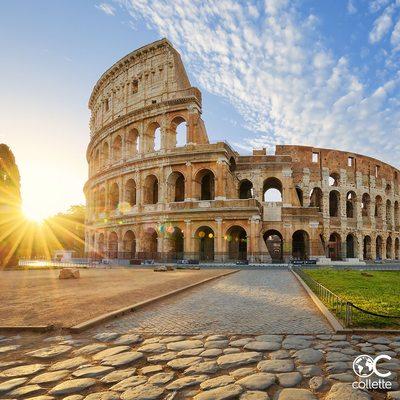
(152, 195)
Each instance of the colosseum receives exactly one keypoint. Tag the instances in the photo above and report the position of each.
(158, 189)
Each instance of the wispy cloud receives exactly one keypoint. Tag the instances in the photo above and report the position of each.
(272, 63)
(106, 8)
(351, 8)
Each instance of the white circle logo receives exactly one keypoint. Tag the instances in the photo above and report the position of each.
(364, 366)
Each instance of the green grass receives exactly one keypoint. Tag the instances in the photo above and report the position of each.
(379, 293)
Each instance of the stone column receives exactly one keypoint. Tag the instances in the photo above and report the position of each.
(189, 182)
(220, 182)
(373, 247)
(218, 241)
(188, 240)
(253, 246)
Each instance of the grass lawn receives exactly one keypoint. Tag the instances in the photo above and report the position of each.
(375, 291)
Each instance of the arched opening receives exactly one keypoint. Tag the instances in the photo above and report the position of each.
(176, 187)
(113, 245)
(334, 179)
(102, 200)
(351, 199)
(176, 242)
(378, 207)
(316, 198)
(114, 196)
(379, 247)
(300, 245)
(132, 142)
(396, 215)
(388, 190)
(232, 164)
(334, 203)
(100, 245)
(389, 248)
(150, 244)
(206, 181)
(389, 214)
(396, 248)
(299, 193)
(366, 205)
(237, 243)
(130, 192)
(350, 246)
(205, 243)
(153, 137)
(117, 148)
(105, 154)
(129, 243)
(179, 128)
(150, 191)
(157, 139)
(274, 242)
(335, 247)
(245, 189)
(367, 253)
(272, 190)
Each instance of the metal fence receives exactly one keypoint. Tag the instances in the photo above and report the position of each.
(350, 314)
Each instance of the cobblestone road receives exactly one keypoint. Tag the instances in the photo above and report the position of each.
(248, 302)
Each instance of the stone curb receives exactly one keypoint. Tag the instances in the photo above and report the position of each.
(28, 328)
(113, 314)
(333, 321)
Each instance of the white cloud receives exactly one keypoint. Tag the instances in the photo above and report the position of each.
(106, 8)
(351, 8)
(381, 26)
(276, 70)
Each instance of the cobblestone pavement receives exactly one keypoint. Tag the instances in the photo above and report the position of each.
(109, 366)
(248, 302)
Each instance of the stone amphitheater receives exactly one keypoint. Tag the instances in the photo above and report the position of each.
(158, 189)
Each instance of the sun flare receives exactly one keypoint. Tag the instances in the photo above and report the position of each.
(34, 215)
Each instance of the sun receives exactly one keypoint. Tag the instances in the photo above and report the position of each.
(34, 215)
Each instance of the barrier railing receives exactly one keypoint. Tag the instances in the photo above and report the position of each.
(350, 314)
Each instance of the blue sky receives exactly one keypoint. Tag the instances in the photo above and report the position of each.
(323, 73)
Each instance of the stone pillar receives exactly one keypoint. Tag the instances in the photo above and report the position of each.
(373, 247)
(220, 181)
(189, 182)
(218, 241)
(188, 240)
(360, 247)
(383, 248)
(253, 247)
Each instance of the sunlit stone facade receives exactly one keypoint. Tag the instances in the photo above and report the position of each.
(150, 195)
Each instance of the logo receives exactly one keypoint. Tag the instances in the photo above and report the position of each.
(364, 366)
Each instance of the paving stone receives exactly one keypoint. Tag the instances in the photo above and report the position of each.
(154, 339)
(184, 345)
(269, 338)
(171, 355)
(221, 393)
(236, 360)
(6, 349)
(242, 372)
(211, 353)
(309, 356)
(254, 395)
(110, 352)
(341, 391)
(128, 339)
(257, 381)
(120, 359)
(381, 347)
(25, 391)
(92, 372)
(276, 366)
(151, 369)
(218, 381)
(289, 379)
(262, 346)
(338, 337)
(393, 395)
(161, 378)
(103, 396)
(240, 342)
(337, 367)
(295, 344)
(23, 370)
(212, 338)
(9, 364)
(183, 363)
(91, 348)
(297, 394)
(73, 397)
(68, 364)
(190, 352)
(106, 336)
(118, 375)
(343, 377)
(152, 348)
(309, 371)
(11, 384)
(42, 397)
(318, 383)
(324, 337)
(206, 367)
(50, 352)
(143, 392)
(231, 350)
(175, 338)
(49, 377)
(279, 355)
(72, 386)
(129, 383)
(216, 344)
(186, 381)
(379, 340)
